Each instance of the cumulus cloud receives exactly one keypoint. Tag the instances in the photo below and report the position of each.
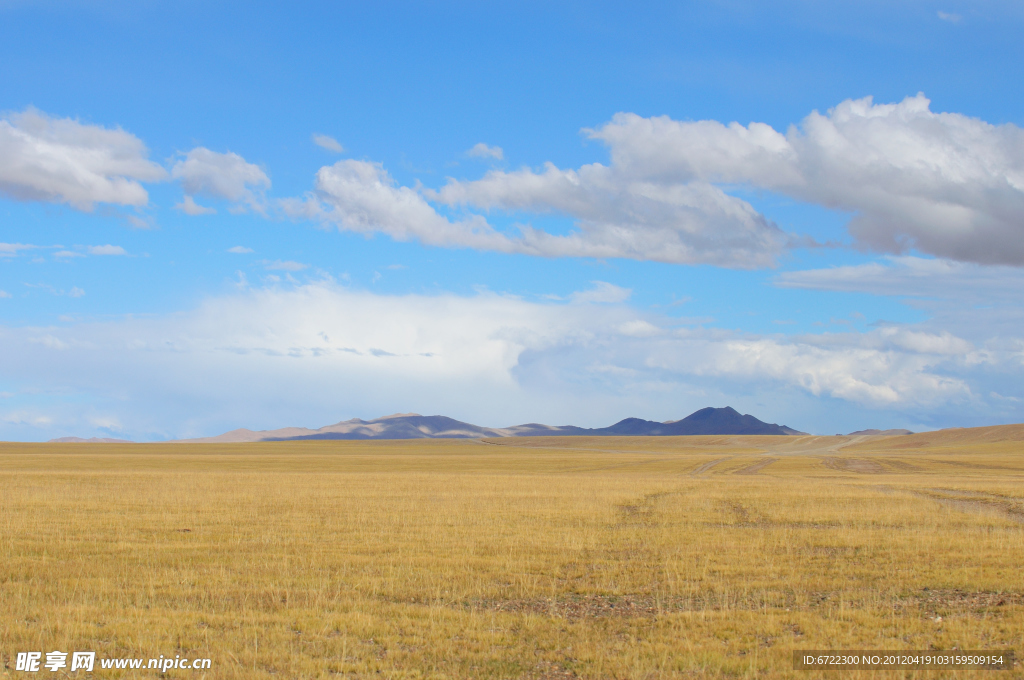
(481, 150)
(361, 196)
(679, 224)
(943, 183)
(225, 176)
(327, 142)
(61, 160)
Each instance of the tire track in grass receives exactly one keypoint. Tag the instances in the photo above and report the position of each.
(756, 468)
(705, 467)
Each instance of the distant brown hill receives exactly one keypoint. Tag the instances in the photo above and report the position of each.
(713, 421)
(879, 433)
(961, 436)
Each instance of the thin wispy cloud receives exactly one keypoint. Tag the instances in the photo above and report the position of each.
(327, 142)
(284, 265)
(12, 249)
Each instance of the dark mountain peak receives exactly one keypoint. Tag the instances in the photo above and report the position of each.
(706, 421)
(726, 420)
(712, 412)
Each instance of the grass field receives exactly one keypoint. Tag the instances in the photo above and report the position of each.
(516, 558)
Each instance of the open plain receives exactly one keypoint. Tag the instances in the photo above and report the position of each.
(610, 557)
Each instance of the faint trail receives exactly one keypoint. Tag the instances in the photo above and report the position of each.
(756, 467)
(647, 452)
(814, 446)
(858, 465)
(978, 502)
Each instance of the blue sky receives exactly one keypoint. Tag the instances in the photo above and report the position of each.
(221, 215)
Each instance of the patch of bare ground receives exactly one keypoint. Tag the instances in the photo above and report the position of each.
(548, 670)
(633, 606)
(742, 514)
(756, 467)
(858, 465)
(951, 601)
(642, 511)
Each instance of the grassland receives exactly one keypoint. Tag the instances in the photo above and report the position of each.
(518, 558)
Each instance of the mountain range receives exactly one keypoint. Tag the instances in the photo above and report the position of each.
(414, 426)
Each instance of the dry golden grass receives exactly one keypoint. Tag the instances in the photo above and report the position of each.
(527, 558)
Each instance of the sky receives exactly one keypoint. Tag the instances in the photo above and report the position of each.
(217, 215)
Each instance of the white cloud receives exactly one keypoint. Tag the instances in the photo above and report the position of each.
(329, 143)
(481, 150)
(943, 183)
(284, 265)
(68, 253)
(4, 294)
(950, 17)
(106, 250)
(220, 175)
(61, 160)
(189, 206)
(240, 250)
(602, 292)
(76, 292)
(26, 418)
(871, 369)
